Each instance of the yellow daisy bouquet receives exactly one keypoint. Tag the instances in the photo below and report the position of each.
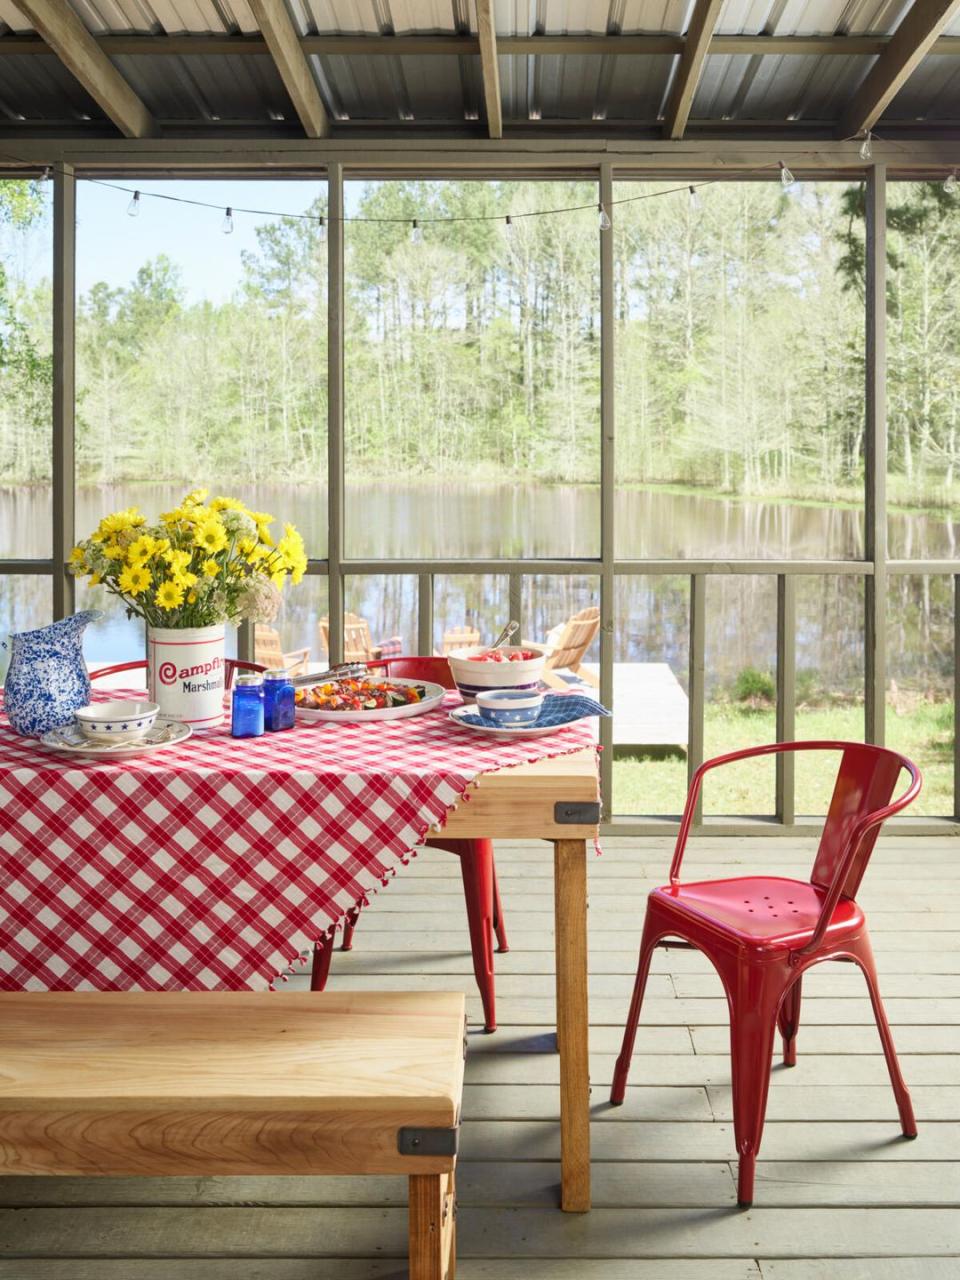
(204, 563)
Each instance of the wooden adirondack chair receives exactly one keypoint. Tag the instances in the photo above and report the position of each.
(459, 638)
(358, 643)
(268, 651)
(570, 643)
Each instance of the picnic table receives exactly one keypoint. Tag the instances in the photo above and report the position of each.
(219, 862)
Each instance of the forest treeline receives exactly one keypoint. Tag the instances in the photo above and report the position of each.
(475, 352)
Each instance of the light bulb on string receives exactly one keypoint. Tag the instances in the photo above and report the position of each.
(694, 198)
(951, 185)
(47, 173)
(322, 230)
(133, 208)
(866, 148)
(508, 226)
(786, 177)
(227, 225)
(416, 232)
(605, 222)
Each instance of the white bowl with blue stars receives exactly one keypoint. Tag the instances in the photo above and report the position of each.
(510, 708)
(119, 720)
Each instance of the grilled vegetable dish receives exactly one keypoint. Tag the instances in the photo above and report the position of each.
(359, 695)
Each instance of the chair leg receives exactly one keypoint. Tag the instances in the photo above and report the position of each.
(476, 868)
(647, 943)
(753, 1025)
(349, 925)
(322, 955)
(500, 929)
(788, 1020)
(863, 953)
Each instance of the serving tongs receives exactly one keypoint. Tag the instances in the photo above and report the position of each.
(345, 671)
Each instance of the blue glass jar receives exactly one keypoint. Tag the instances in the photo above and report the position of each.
(279, 706)
(247, 706)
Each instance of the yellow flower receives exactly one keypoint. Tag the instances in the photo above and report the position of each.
(77, 555)
(278, 577)
(95, 580)
(195, 497)
(169, 595)
(227, 504)
(177, 560)
(263, 523)
(183, 579)
(113, 551)
(192, 598)
(120, 520)
(134, 580)
(142, 548)
(211, 536)
(211, 567)
(246, 545)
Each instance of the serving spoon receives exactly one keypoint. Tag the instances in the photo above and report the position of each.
(505, 635)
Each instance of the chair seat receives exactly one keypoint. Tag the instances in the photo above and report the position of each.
(761, 911)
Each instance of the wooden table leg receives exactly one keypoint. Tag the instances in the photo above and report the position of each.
(433, 1231)
(570, 902)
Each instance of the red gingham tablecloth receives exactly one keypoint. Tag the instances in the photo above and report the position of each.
(218, 863)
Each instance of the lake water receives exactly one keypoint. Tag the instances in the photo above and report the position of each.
(459, 521)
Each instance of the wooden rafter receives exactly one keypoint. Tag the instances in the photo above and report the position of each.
(909, 44)
(430, 46)
(64, 33)
(490, 67)
(283, 42)
(690, 66)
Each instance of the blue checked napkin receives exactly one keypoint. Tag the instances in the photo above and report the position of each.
(558, 709)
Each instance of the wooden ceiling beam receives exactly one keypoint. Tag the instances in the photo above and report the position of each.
(690, 67)
(458, 46)
(909, 45)
(65, 35)
(283, 41)
(490, 67)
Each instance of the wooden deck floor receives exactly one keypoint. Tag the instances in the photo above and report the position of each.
(838, 1192)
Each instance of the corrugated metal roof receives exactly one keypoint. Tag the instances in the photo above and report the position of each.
(569, 87)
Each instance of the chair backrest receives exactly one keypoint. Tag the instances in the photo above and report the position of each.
(267, 646)
(459, 638)
(865, 783)
(231, 665)
(415, 668)
(575, 639)
(357, 641)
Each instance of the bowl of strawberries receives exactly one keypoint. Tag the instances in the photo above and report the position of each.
(481, 668)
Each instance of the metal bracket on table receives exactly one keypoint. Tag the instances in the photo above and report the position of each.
(576, 813)
(413, 1141)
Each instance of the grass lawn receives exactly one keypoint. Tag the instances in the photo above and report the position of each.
(651, 783)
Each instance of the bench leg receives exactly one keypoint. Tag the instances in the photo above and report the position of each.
(433, 1232)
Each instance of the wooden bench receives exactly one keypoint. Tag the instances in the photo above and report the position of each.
(235, 1083)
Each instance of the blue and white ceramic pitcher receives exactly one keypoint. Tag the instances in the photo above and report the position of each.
(47, 678)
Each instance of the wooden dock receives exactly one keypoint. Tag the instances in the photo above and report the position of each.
(839, 1193)
(650, 708)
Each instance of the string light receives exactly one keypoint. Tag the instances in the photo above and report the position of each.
(416, 232)
(605, 223)
(227, 225)
(47, 173)
(508, 225)
(866, 149)
(133, 208)
(786, 177)
(951, 186)
(694, 198)
(322, 230)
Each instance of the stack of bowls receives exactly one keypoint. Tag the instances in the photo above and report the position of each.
(474, 674)
(117, 721)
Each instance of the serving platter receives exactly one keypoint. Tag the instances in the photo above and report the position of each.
(434, 697)
(69, 741)
(467, 716)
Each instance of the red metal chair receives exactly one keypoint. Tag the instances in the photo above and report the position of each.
(762, 933)
(480, 889)
(232, 665)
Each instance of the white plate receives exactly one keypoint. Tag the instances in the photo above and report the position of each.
(435, 695)
(457, 714)
(69, 741)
